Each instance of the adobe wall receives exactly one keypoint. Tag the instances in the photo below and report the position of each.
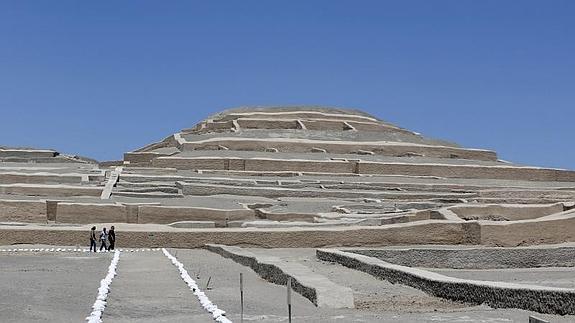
(508, 211)
(340, 167)
(324, 125)
(23, 211)
(296, 115)
(378, 127)
(475, 258)
(495, 294)
(317, 288)
(88, 213)
(299, 165)
(426, 232)
(305, 146)
(13, 178)
(212, 126)
(190, 163)
(529, 194)
(273, 192)
(49, 190)
(267, 124)
(27, 153)
(528, 232)
(170, 214)
(254, 164)
(141, 157)
(468, 171)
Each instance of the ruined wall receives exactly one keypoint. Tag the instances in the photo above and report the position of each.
(480, 258)
(495, 294)
(49, 190)
(306, 146)
(13, 178)
(528, 232)
(87, 213)
(509, 212)
(170, 214)
(22, 211)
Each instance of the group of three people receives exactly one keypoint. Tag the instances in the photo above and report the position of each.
(105, 237)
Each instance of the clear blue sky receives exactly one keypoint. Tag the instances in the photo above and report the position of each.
(99, 78)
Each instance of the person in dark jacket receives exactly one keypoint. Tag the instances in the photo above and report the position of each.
(93, 239)
(111, 238)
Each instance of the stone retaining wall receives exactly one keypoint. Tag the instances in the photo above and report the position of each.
(495, 294)
(482, 258)
(318, 289)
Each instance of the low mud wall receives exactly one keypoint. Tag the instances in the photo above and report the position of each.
(480, 258)
(495, 294)
(528, 232)
(568, 195)
(507, 212)
(318, 289)
(170, 214)
(425, 232)
(49, 190)
(13, 178)
(30, 154)
(23, 211)
(86, 213)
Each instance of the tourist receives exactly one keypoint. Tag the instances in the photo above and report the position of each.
(93, 239)
(111, 238)
(103, 239)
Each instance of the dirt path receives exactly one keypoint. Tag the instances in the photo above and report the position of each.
(148, 288)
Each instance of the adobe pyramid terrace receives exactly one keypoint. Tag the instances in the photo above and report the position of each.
(265, 187)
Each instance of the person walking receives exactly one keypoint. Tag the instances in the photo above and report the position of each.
(111, 238)
(103, 240)
(93, 239)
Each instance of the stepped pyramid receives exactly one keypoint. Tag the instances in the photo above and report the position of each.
(298, 168)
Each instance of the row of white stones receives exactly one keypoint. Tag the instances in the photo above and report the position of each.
(217, 314)
(100, 303)
(73, 250)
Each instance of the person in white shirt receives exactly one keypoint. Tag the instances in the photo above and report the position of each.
(103, 240)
